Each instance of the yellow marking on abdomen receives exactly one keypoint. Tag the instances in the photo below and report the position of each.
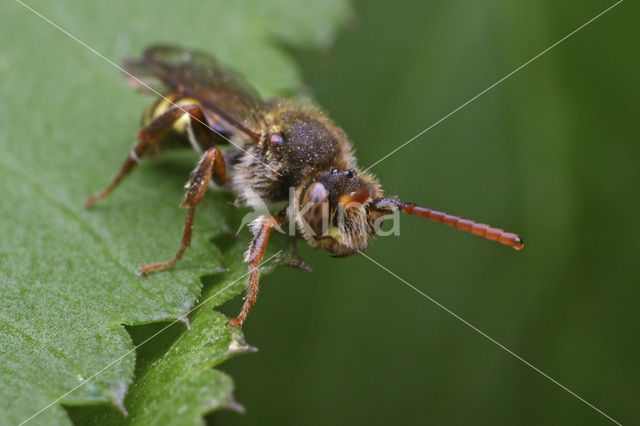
(166, 103)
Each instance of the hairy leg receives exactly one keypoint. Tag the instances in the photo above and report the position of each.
(254, 256)
(211, 163)
(147, 137)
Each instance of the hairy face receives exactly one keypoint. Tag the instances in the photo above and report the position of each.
(335, 211)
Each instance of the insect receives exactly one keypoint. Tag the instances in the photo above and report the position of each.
(274, 145)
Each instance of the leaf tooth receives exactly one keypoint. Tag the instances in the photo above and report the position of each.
(118, 404)
(184, 319)
(238, 345)
(234, 405)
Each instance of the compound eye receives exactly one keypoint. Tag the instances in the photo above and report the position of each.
(315, 205)
(275, 139)
(334, 171)
(350, 173)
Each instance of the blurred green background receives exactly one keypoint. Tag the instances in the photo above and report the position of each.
(550, 153)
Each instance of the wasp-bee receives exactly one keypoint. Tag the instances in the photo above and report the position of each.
(276, 145)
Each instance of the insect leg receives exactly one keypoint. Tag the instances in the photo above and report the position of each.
(264, 226)
(147, 136)
(210, 163)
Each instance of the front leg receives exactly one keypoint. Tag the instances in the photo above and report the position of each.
(263, 227)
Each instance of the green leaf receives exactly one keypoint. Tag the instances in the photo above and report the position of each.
(67, 280)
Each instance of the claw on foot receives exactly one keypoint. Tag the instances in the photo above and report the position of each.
(145, 269)
(235, 322)
(90, 201)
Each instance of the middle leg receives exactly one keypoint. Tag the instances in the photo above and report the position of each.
(211, 163)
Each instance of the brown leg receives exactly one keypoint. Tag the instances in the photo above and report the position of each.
(147, 136)
(254, 257)
(211, 162)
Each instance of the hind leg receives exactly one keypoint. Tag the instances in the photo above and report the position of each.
(147, 137)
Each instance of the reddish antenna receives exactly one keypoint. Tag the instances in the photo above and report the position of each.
(480, 229)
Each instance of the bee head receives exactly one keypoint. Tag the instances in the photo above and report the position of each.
(335, 210)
